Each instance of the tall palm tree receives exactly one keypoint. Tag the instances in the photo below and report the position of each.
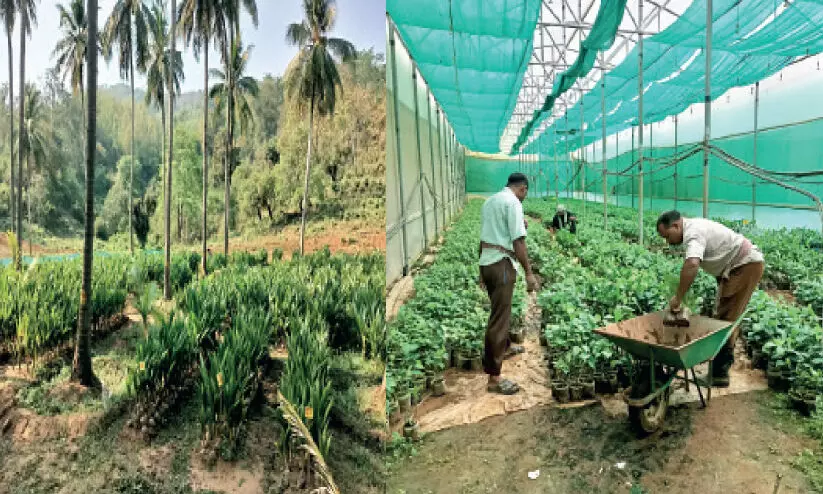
(28, 18)
(167, 201)
(233, 84)
(128, 29)
(313, 79)
(160, 69)
(70, 51)
(8, 11)
(36, 139)
(231, 9)
(82, 371)
(200, 22)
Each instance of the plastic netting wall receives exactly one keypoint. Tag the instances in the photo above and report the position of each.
(547, 176)
(424, 163)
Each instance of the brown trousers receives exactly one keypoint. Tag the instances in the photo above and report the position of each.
(499, 279)
(733, 294)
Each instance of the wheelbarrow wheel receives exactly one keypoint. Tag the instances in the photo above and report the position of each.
(650, 417)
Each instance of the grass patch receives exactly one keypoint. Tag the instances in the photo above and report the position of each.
(810, 461)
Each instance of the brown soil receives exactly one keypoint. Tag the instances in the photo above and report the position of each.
(5, 249)
(784, 295)
(343, 236)
(650, 328)
(226, 477)
(725, 448)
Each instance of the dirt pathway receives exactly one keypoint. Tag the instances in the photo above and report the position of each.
(727, 448)
(467, 401)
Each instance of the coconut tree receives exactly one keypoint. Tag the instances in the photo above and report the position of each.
(36, 137)
(27, 9)
(127, 29)
(231, 10)
(70, 52)
(233, 85)
(82, 371)
(201, 23)
(313, 78)
(160, 69)
(167, 199)
(8, 11)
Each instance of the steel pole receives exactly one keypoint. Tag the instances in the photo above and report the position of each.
(707, 102)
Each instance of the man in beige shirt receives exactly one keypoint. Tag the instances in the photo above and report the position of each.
(730, 258)
(502, 247)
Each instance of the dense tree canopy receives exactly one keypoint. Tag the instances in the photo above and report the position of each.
(348, 171)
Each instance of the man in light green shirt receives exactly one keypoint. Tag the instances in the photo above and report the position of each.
(502, 247)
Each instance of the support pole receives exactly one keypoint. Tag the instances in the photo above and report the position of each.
(431, 160)
(651, 173)
(440, 163)
(582, 152)
(398, 151)
(420, 176)
(640, 112)
(617, 160)
(603, 157)
(707, 102)
(556, 173)
(632, 163)
(754, 160)
(676, 162)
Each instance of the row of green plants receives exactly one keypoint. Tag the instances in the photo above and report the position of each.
(781, 337)
(444, 324)
(39, 304)
(230, 320)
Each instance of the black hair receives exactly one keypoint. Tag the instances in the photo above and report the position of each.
(668, 218)
(517, 179)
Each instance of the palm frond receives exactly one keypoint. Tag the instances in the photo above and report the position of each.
(298, 34)
(301, 434)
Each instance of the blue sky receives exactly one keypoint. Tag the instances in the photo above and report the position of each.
(360, 21)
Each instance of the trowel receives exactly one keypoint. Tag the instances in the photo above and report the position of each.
(678, 319)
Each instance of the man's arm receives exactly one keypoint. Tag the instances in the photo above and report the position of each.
(522, 255)
(687, 275)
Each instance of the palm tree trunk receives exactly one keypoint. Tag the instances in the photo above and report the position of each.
(170, 97)
(11, 133)
(20, 137)
(28, 202)
(81, 367)
(131, 163)
(229, 145)
(163, 158)
(205, 234)
(306, 183)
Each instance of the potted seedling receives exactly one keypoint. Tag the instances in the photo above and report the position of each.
(411, 430)
(404, 401)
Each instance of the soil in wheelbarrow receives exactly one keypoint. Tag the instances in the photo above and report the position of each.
(650, 329)
(731, 447)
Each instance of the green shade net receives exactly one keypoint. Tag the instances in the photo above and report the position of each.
(601, 37)
(486, 176)
(472, 54)
(748, 44)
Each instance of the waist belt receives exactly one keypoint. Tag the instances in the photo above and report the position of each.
(502, 249)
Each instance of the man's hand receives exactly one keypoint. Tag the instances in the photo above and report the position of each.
(531, 282)
(480, 281)
(526, 222)
(675, 305)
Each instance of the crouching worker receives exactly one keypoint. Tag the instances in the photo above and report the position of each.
(564, 219)
(502, 247)
(730, 258)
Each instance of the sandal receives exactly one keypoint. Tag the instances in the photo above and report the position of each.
(504, 387)
(514, 350)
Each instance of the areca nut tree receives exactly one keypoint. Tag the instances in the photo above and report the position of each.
(313, 78)
(127, 30)
(201, 23)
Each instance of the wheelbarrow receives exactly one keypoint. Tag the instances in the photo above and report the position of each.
(660, 353)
